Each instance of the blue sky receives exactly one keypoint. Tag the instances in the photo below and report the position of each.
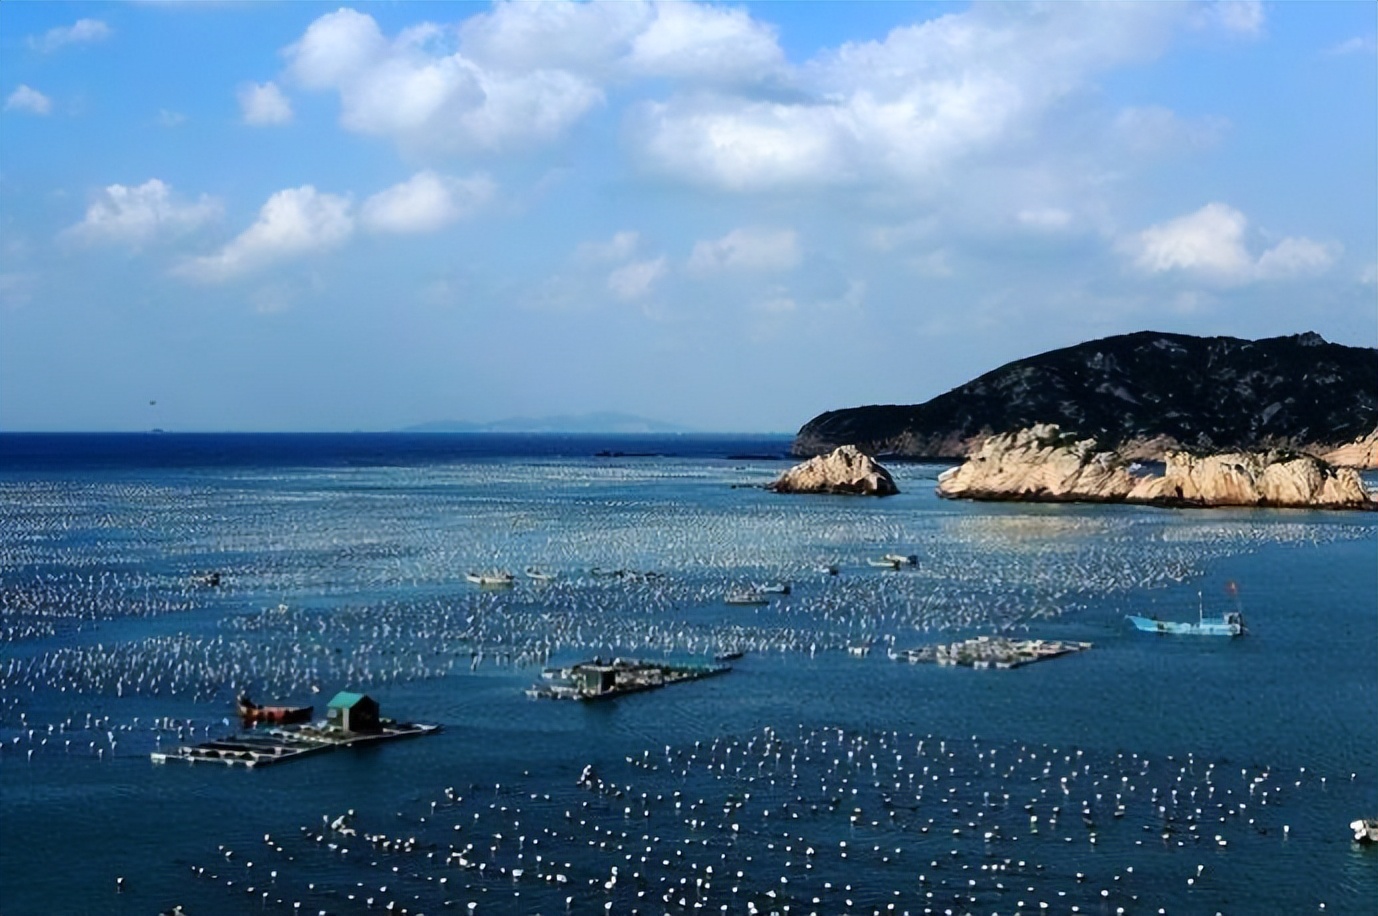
(731, 216)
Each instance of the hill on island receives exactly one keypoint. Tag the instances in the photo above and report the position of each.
(602, 422)
(1144, 394)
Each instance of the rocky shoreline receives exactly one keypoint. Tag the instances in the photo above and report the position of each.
(1045, 464)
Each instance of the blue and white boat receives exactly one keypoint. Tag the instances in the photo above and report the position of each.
(1231, 623)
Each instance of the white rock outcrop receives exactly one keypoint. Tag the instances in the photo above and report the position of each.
(1361, 453)
(1044, 464)
(845, 470)
(1039, 464)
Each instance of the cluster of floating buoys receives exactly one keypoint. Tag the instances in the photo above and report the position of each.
(812, 821)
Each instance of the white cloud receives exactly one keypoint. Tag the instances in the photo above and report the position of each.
(635, 280)
(740, 146)
(747, 249)
(1211, 243)
(715, 44)
(1242, 17)
(909, 107)
(408, 89)
(919, 105)
(293, 222)
(425, 202)
(83, 31)
(264, 104)
(135, 215)
(1296, 257)
(618, 248)
(1360, 44)
(522, 73)
(28, 99)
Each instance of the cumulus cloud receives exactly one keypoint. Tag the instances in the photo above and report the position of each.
(747, 249)
(264, 104)
(635, 280)
(293, 222)
(28, 99)
(1296, 257)
(425, 202)
(407, 89)
(1360, 44)
(620, 247)
(707, 43)
(1241, 17)
(135, 215)
(522, 73)
(83, 31)
(911, 107)
(1210, 243)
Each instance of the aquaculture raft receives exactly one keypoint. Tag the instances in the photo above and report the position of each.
(599, 680)
(265, 747)
(993, 652)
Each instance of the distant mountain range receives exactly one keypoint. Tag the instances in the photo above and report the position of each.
(1143, 393)
(602, 422)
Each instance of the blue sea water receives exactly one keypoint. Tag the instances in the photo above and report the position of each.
(1149, 773)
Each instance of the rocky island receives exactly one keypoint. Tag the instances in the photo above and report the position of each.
(1045, 464)
(846, 470)
(1142, 395)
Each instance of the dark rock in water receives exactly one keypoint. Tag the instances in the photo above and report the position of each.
(846, 470)
(1141, 395)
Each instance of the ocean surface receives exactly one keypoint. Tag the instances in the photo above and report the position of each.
(1146, 775)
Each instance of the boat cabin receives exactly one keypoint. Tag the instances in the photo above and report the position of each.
(593, 678)
(353, 712)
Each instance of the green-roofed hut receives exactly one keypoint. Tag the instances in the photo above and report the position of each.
(353, 712)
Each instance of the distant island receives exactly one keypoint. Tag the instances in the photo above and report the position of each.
(602, 422)
(1142, 395)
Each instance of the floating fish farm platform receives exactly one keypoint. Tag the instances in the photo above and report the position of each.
(993, 652)
(268, 746)
(599, 680)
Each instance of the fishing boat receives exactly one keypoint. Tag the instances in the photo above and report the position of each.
(491, 580)
(1365, 830)
(253, 714)
(534, 573)
(1231, 623)
(897, 560)
(749, 596)
(775, 588)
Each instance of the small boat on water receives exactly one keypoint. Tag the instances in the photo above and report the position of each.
(775, 588)
(827, 569)
(901, 559)
(491, 580)
(253, 714)
(1365, 830)
(1231, 623)
(534, 573)
(748, 596)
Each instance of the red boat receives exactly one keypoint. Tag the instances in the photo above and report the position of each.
(253, 714)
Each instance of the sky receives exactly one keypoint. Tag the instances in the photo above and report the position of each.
(313, 217)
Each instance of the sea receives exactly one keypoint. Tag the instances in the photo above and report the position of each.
(823, 774)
